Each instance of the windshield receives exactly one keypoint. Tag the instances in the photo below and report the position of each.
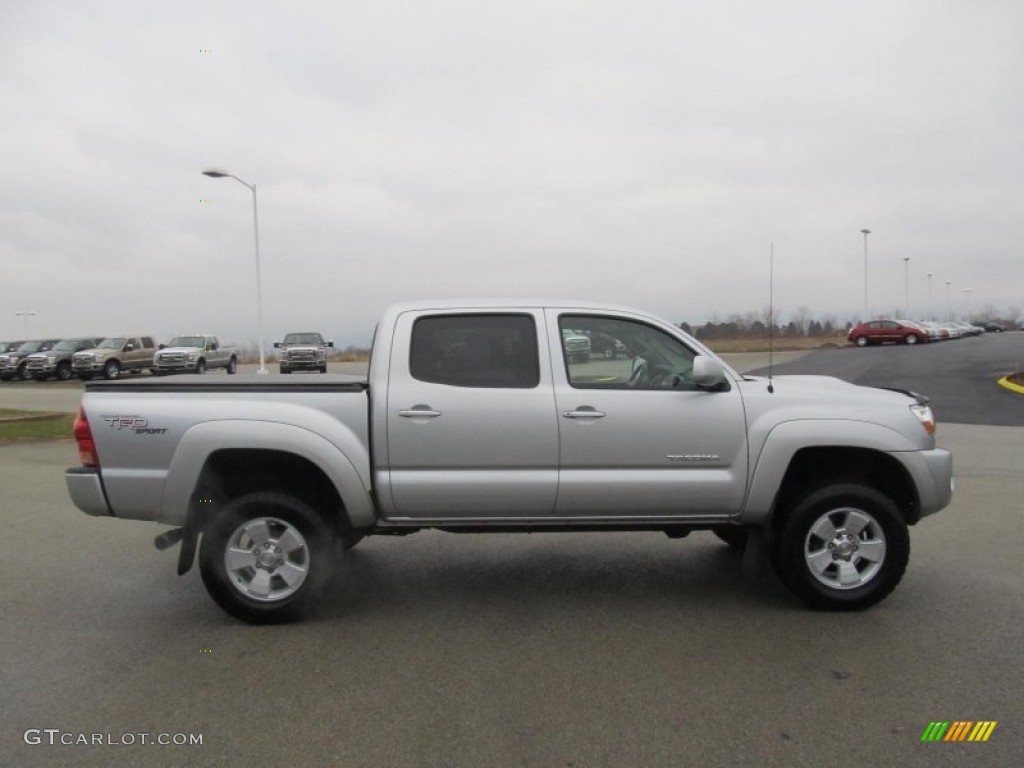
(31, 346)
(68, 345)
(112, 343)
(188, 341)
(302, 338)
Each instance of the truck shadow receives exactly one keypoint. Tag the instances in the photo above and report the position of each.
(537, 572)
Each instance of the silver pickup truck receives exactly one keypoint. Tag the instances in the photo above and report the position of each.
(473, 420)
(194, 354)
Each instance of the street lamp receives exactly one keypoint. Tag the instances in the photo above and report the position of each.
(931, 311)
(967, 302)
(217, 173)
(866, 232)
(26, 315)
(949, 304)
(906, 282)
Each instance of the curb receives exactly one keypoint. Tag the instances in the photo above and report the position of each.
(1007, 384)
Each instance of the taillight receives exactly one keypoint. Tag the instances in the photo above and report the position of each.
(86, 445)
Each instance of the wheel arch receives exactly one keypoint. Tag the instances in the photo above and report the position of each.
(813, 468)
(216, 461)
(799, 456)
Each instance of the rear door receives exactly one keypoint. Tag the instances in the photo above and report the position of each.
(638, 439)
(471, 427)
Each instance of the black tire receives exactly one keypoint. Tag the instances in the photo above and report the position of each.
(275, 518)
(609, 353)
(201, 366)
(232, 366)
(819, 541)
(861, 341)
(323, 368)
(112, 370)
(64, 371)
(24, 373)
(733, 535)
(85, 376)
(286, 370)
(912, 338)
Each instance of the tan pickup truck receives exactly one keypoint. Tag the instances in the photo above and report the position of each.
(114, 356)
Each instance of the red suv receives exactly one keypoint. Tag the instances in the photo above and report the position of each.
(887, 331)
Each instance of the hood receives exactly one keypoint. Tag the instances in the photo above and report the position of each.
(179, 350)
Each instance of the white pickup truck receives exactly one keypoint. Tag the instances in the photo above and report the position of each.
(194, 354)
(473, 420)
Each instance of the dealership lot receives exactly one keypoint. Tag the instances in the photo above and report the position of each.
(537, 650)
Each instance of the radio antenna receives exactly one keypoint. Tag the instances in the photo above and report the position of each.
(771, 313)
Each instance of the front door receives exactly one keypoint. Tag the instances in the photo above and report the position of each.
(638, 438)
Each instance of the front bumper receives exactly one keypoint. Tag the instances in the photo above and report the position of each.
(175, 367)
(86, 490)
(302, 365)
(933, 474)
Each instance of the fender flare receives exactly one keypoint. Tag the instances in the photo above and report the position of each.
(785, 440)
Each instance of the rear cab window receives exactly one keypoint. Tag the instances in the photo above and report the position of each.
(476, 350)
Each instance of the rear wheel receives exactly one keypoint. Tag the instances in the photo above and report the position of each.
(266, 557)
(232, 366)
(842, 547)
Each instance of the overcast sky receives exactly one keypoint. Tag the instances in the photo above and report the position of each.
(641, 152)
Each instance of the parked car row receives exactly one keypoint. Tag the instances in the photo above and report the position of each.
(87, 357)
(910, 331)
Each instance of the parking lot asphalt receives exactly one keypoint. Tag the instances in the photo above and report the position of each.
(960, 376)
(512, 650)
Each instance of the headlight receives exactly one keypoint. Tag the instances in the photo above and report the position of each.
(192, 356)
(924, 415)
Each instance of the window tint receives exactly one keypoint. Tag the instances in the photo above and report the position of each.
(625, 354)
(476, 351)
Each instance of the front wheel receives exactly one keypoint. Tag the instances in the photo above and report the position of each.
(842, 547)
(912, 339)
(201, 367)
(266, 557)
(112, 370)
(862, 341)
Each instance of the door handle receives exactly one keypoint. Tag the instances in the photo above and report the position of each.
(584, 412)
(419, 412)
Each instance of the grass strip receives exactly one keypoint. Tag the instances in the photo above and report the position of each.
(53, 427)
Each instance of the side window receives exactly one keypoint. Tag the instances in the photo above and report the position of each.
(498, 351)
(624, 354)
(147, 342)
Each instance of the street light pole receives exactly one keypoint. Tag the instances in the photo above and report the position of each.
(949, 304)
(26, 315)
(931, 310)
(906, 282)
(866, 232)
(216, 173)
(967, 303)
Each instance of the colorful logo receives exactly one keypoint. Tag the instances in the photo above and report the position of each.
(959, 730)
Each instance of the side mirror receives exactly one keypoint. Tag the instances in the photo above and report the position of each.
(330, 343)
(277, 345)
(129, 347)
(708, 373)
(160, 346)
